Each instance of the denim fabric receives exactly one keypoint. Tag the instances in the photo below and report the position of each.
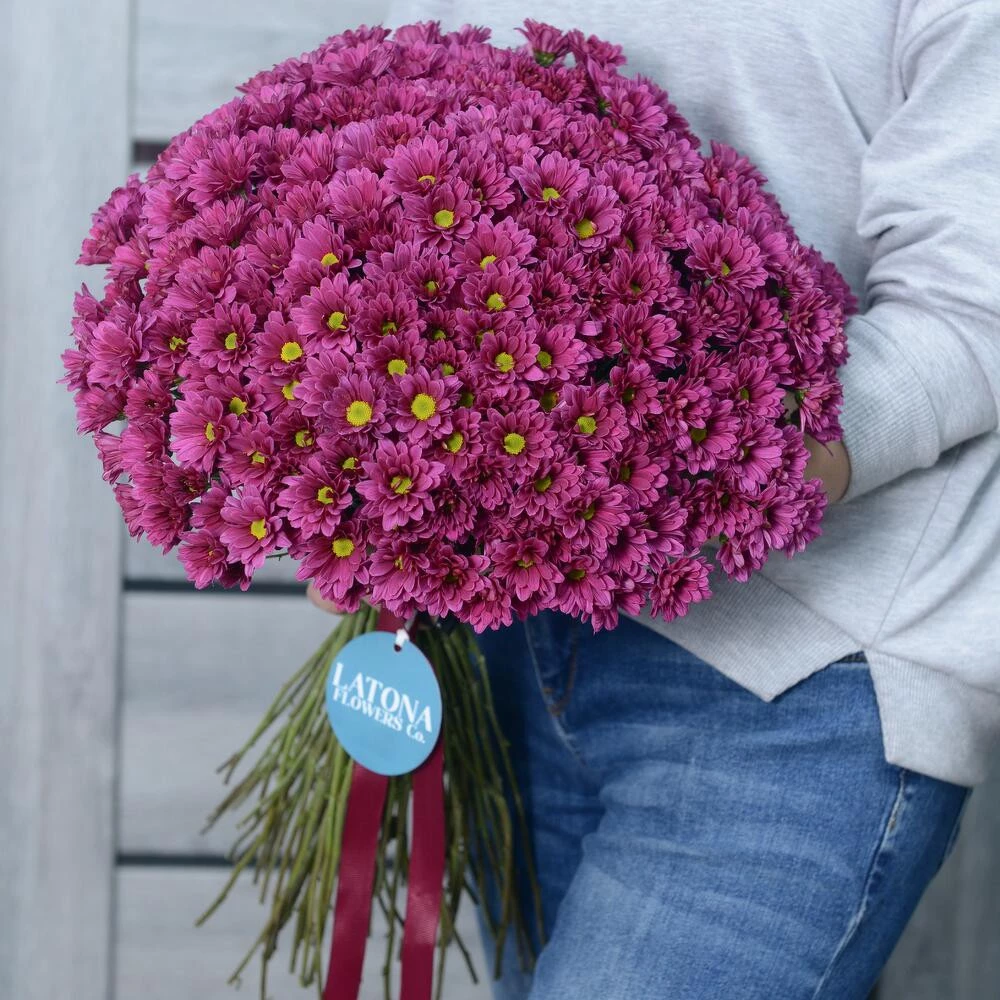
(694, 842)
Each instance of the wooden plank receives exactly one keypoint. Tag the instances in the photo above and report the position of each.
(64, 77)
(199, 672)
(951, 948)
(146, 563)
(191, 55)
(161, 955)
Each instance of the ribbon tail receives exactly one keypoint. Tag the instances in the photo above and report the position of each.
(426, 875)
(352, 911)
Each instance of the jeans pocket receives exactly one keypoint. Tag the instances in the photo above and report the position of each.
(552, 641)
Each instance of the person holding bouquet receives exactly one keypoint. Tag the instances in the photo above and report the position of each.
(748, 801)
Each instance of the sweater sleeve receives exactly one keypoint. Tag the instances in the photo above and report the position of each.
(924, 367)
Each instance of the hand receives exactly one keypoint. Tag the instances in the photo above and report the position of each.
(831, 464)
(387, 621)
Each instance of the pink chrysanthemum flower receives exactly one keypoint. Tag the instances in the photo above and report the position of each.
(328, 311)
(353, 408)
(223, 341)
(336, 562)
(423, 407)
(205, 558)
(315, 497)
(399, 484)
(443, 216)
(523, 568)
(595, 217)
(520, 441)
(727, 257)
(419, 165)
(679, 585)
(253, 528)
(200, 430)
(280, 349)
(494, 244)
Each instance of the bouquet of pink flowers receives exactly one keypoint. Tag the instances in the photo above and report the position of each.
(463, 330)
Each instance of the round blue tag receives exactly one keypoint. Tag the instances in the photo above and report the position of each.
(384, 703)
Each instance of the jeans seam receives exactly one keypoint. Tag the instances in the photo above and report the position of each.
(891, 824)
(564, 736)
(557, 707)
(956, 827)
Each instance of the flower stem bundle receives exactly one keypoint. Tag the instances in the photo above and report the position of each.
(293, 800)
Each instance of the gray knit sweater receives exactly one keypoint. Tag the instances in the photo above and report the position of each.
(878, 126)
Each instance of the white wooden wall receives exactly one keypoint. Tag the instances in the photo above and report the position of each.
(122, 688)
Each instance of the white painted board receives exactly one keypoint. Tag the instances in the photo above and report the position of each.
(64, 128)
(951, 949)
(161, 955)
(199, 672)
(191, 55)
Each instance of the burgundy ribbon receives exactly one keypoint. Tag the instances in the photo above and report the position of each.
(352, 909)
(423, 897)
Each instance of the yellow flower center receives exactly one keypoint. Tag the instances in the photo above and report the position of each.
(628, 396)
(496, 302)
(329, 259)
(431, 287)
(544, 359)
(210, 431)
(175, 343)
(698, 434)
(576, 575)
(550, 194)
(359, 413)
(504, 361)
(439, 335)
(726, 269)
(335, 321)
(586, 424)
(490, 258)
(237, 406)
(258, 529)
(625, 473)
(304, 438)
(427, 179)
(232, 341)
(401, 484)
(397, 366)
(349, 463)
(466, 399)
(447, 369)
(342, 547)
(389, 327)
(444, 219)
(325, 496)
(423, 406)
(542, 485)
(288, 390)
(454, 442)
(526, 563)
(548, 400)
(291, 352)
(585, 228)
(258, 458)
(514, 443)
(588, 514)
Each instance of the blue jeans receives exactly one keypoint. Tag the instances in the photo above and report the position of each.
(694, 842)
